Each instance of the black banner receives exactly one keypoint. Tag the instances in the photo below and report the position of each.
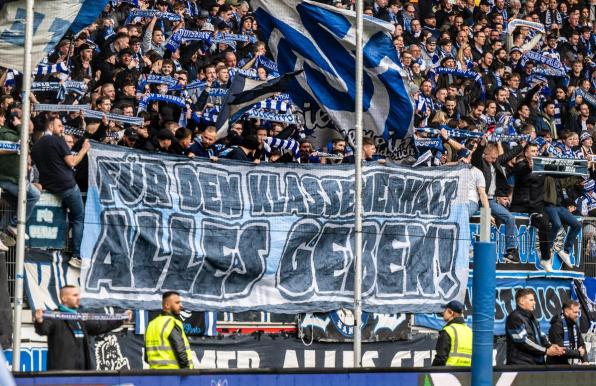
(338, 326)
(117, 351)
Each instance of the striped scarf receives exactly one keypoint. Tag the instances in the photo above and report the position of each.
(282, 144)
(557, 118)
(552, 17)
(46, 69)
(272, 104)
(125, 119)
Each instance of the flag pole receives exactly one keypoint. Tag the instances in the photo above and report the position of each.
(358, 192)
(22, 196)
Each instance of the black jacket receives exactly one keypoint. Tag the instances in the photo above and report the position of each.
(526, 344)
(65, 352)
(444, 343)
(501, 173)
(556, 336)
(528, 193)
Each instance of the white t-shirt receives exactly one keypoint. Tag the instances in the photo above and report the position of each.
(476, 181)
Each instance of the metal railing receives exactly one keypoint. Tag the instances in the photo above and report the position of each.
(7, 210)
(589, 246)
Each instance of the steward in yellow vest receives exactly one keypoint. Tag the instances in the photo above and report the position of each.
(454, 346)
(166, 344)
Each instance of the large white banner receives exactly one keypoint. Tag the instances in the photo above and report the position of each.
(234, 236)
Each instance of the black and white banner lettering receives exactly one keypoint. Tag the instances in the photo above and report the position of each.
(277, 238)
(560, 166)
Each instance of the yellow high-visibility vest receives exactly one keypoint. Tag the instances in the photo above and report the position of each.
(159, 351)
(461, 345)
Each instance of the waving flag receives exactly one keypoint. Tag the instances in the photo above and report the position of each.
(321, 40)
(51, 20)
(244, 93)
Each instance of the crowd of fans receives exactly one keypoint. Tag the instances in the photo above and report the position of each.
(490, 90)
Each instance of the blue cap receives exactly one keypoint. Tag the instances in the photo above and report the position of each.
(455, 306)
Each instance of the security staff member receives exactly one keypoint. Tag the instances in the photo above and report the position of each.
(166, 344)
(454, 346)
(526, 344)
(564, 332)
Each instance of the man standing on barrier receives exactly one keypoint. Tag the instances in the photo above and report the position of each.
(68, 331)
(526, 344)
(454, 345)
(166, 344)
(564, 331)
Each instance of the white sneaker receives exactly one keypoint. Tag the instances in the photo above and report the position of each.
(3, 248)
(547, 265)
(13, 230)
(564, 256)
(75, 262)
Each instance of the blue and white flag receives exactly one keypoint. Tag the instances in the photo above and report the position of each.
(321, 40)
(51, 20)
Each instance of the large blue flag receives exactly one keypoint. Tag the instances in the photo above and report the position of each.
(51, 20)
(321, 40)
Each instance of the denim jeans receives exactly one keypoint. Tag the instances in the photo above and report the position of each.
(472, 208)
(32, 198)
(504, 215)
(73, 201)
(559, 216)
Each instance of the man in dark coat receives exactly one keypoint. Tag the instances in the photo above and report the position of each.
(564, 331)
(526, 344)
(68, 340)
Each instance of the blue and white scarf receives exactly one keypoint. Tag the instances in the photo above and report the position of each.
(542, 59)
(550, 19)
(282, 144)
(463, 134)
(184, 35)
(150, 13)
(249, 73)
(268, 64)
(588, 98)
(59, 108)
(125, 119)
(148, 98)
(218, 92)
(45, 86)
(46, 69)
(207, 115)
(155, 79)
(271, 116)
(513, 24)
(237, 37)
(272, 104)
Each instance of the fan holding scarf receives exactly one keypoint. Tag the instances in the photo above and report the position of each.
(564, 331)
